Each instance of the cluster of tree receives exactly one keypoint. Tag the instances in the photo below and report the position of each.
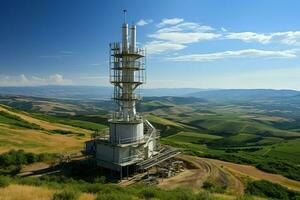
(280, 167)
(11, 162)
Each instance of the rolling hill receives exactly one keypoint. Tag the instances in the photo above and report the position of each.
(22, 130)
(261, 132)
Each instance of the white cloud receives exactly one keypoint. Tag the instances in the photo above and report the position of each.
(169, 21)
(186, 27)
(59, 79)
(183, 33)
(143, 22)
(246, 53)
(174, 34)
(184, 37)
(156, 47)
(288, 37)
(223, 29)
(23, 80)
(250, 37)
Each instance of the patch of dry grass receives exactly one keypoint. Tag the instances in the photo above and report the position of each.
(37, 141)
(44, 124)
(25, 192)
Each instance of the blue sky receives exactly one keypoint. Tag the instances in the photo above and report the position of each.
(190, 43)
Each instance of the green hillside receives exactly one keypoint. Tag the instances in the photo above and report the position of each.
(263, 133)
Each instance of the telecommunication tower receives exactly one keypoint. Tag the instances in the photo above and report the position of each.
(132, 140)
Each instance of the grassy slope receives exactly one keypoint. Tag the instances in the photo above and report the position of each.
(20, 130)
(189, 130)
(248, 131)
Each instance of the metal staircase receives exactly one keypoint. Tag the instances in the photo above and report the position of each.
(163, 155)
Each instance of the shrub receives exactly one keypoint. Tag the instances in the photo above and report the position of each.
(244, 197)
(20, 157)
(11, 162)
(92, 188)
(63, 132)
(182, 194)
(113, 196)
(148, 193)
(265, 188)
(207, 185)
(30, 181)
(4, 181)
(65, 195)
(280, 167)
(213, 187)
(100, 179)
(204, 196)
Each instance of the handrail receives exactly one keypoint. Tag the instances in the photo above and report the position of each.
(119, 140)
(116, 47)
(130, 158)
(150, 132)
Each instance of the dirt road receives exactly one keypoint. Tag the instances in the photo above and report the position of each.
(198, 171)
(254, 173)
(221, 173)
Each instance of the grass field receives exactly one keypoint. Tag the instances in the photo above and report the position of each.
(20, 130)
(263, 134)
(21, 192)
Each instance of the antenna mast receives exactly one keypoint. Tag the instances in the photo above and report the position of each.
(124, 12)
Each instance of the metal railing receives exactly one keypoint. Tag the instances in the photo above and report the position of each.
(119, 140)
(132, 158)
(116, 48)
(122, 78)
(127, 65)
(126, 96)
(118, 117)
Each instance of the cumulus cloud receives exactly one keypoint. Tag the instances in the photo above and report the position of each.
(245, 53)
(59, 79)
(169, 21)
(143, 22)
(23, 80)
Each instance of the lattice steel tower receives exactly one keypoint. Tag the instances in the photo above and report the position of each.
(127, 73)
(132, 140)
